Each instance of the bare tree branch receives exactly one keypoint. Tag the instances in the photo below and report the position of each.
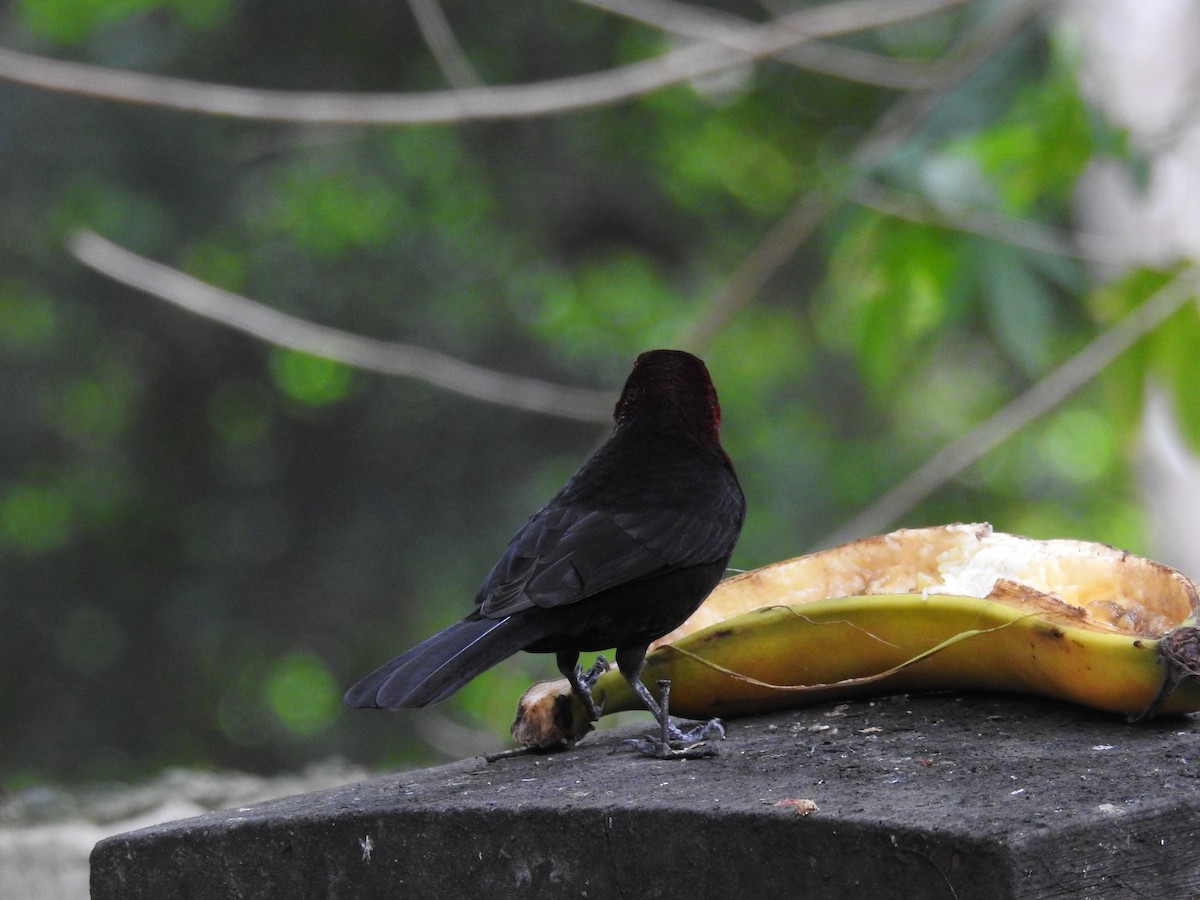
(442, 43)
(853, 64)
(994, 226)
(284, 330)
(1048, 393)
(892, 129)
(496, 102)
(718, 27)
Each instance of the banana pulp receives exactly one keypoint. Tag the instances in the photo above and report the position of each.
(952, 607)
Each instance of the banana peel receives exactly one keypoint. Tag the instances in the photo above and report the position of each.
(951, 607)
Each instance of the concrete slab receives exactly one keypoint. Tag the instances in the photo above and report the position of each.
(925, 797)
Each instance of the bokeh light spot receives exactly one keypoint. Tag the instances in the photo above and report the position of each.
(312, 380)
(303, 694)
(1079, 444)
(35, 518)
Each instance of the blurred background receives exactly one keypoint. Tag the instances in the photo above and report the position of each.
(879, 222)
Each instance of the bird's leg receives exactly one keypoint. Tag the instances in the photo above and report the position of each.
(672, 743)
(581, 682)
(664, 691)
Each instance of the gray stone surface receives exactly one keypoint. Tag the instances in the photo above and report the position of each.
(924, 797)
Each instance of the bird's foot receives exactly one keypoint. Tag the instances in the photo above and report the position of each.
(713, 728)
(654, 747)
(599, 667)
(583, 682)
(672, 742)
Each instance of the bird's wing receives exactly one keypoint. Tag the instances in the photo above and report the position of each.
(564, 554)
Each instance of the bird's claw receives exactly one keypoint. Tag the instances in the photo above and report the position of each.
(702, 732)
(583, 682)
(655, 748)
(599, 667)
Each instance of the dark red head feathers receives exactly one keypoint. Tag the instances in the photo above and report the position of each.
(670, 389)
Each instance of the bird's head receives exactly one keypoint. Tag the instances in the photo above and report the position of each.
(671, 390)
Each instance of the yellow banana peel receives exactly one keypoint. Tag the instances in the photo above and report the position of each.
(952, 607)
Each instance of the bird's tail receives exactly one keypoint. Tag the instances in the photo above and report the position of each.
(439, 666)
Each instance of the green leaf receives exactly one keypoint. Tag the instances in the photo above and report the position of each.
(1035, 154)
(889, 290)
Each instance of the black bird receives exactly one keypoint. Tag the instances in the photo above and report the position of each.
(623, 554)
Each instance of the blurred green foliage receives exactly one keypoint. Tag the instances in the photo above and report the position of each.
(311, 380)
(203, 539)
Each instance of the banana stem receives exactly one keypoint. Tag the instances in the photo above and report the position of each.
(1179, 652)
